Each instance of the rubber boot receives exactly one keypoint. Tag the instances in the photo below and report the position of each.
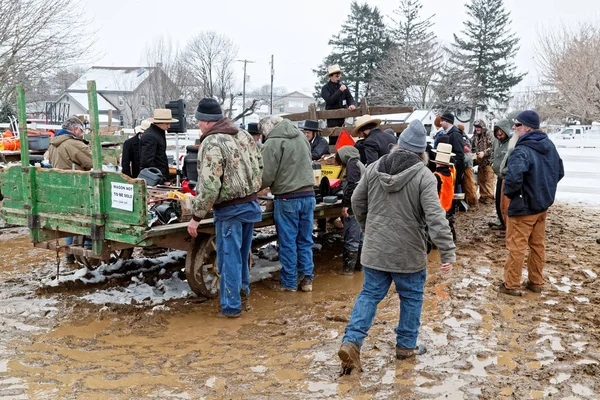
(357, 264)
(349, 261)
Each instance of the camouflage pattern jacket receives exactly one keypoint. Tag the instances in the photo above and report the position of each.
(229, 167)
(483, 143)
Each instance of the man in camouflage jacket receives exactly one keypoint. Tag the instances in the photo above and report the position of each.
(482, 148)
(229, 175)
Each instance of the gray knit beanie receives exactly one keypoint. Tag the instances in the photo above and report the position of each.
(414, 137)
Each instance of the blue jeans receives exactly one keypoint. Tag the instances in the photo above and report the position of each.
(294, 221)
(234, 226)
(353, 237)
(375, 287)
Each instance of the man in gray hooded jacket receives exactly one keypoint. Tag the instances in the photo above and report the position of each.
(394, 203)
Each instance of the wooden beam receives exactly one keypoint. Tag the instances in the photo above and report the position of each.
(336, 131)
(312, 111)
(345, 113)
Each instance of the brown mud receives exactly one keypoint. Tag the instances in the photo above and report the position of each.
(481, 344)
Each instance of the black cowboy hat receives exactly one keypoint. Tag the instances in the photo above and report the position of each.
(310, 125)
(253, 128)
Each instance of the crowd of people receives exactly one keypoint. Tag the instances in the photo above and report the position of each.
(398, 199)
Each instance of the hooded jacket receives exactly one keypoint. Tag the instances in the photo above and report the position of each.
(354, 168)
(455, 138)
(229, 168)
(154, 150)
(287, 161)
(500, 147)
(482, 143)
(67, 151)
(534, 169)
(394, 203)
(375, 145)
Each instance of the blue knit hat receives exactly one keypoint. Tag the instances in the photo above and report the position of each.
(529, 118)
(414, 138)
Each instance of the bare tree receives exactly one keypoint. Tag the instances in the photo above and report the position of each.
(36, 38)
(569, 63)
(210, 57)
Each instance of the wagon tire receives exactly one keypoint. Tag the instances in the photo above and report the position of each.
(201, 270)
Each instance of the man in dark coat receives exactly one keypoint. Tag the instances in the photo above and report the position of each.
(130, 159)
(154, 142)
(318, 144)
(534, 169)
(376, 143)
(455, 138)
(336, 95)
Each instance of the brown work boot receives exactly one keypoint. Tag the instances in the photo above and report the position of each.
(532, 287)
(403, 354)
(503, 289)
(306, 284)
(349, 354)
(278, 287)
(245, 301)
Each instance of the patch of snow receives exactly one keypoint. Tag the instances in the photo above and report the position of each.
(582, 299)
(259, 368)
(590, 274)
(560, 378)
(551, 302)
(328, 389)
(582, 390)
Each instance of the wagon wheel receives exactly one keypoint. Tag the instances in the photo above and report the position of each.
(201, 268)
(85, 261)
(125, 254)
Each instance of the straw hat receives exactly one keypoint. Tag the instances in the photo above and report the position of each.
(142, 127)
(443, 153)
(333, 69)
(364, 121)
(162, 116)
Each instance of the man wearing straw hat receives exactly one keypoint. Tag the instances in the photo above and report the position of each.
(445, 175)
(376, 143)
(130, 160)
(336, 95)
(154, 142)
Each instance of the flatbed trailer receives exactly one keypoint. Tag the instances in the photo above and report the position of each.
(108, 207)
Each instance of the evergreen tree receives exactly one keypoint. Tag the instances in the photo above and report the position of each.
(406, 75)
(358, 48)
(486, 52)
(6, 111)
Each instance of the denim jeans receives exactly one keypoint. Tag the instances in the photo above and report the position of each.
(353, 237)
(234, 226)
(375, 287)
(294, 221)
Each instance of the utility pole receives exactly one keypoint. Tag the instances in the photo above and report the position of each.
(244, 91)
(272, 75)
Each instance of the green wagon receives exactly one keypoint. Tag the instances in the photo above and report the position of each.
(109, 207)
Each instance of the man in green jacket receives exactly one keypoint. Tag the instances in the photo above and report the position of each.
(396, 204)
(288, 172)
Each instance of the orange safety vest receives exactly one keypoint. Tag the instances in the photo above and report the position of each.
(447, 190)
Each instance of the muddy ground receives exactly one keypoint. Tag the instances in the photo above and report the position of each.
(481, 345)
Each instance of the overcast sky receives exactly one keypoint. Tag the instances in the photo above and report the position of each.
(295, 32)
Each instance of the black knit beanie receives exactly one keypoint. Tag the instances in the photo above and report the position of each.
(448, 117)
(209, 110)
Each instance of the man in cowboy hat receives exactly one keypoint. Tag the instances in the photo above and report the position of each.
(154, 142)
(534, 169)
(229, 175)
(336, 95)
(376, 143)
(256, 135)
(318, 145)
(130, 159)
(445, 175)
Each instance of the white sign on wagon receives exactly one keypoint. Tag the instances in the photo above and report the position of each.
(122, 196)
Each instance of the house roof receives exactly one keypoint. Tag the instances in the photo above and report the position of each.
(295, 94)
(82, 99)
(418, 114)
(112, 79)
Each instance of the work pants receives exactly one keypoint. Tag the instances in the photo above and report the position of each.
(469, 187)
(499, 194)
(504, 203)
(521, 232)
(486, 179)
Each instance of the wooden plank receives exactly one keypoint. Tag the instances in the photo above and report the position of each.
(297, 116)
(336, 131)
(364, 107)
(312, 110)
(380, 110)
